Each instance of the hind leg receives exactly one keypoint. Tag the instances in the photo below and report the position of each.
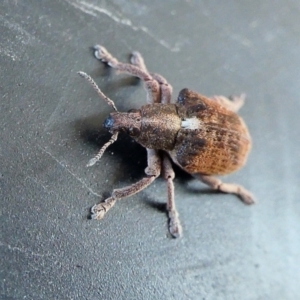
(233, 103)
(232, 188)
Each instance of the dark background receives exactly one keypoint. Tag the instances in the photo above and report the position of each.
(51, 125)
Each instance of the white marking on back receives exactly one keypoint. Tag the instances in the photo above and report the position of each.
(191, 123)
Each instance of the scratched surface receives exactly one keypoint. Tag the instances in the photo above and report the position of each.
(51, 125)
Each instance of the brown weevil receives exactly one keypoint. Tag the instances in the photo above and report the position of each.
(203, 136)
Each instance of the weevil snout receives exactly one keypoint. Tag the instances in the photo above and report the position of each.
(129, 122)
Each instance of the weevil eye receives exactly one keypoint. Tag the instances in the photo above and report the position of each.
(133, 131)
(109, 122)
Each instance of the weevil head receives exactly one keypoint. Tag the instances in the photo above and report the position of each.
(129, 122)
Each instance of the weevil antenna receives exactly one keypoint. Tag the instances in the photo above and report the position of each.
(113, 138)
(97, 89)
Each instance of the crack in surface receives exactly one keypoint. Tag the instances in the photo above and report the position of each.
(70, 172)
(93, 10)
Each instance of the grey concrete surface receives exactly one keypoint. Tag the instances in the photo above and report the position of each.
(51, 125)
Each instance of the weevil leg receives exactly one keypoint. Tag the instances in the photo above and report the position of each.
(174, 222)
(153, 171)
(233, 103)
(232, 188)
(138, 60)
(151, 85)
(165, 88)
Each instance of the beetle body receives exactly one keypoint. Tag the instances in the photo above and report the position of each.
(199, 134)
(204, 136)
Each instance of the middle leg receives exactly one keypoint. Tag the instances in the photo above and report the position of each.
(174, 222)
(165, 88)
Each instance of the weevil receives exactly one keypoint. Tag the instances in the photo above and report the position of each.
(203, 136)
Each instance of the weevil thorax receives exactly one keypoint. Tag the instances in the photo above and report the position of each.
(128, 122)
(154, 126)
(160, 124)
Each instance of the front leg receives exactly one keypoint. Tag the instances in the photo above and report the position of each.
(153, 171)
(151, 85)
